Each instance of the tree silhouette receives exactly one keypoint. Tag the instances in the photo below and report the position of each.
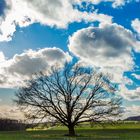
(70, 95)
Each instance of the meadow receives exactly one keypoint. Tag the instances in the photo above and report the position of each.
(127, 131)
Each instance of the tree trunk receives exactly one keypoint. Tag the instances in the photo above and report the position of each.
(71, 131)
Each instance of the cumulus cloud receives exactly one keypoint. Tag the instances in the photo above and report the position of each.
(2, 57)
(127, 81)
(133, 110)
(14, 15)
(136, 25)
(108, 47)
(130, 94)
(13, 71)
(56, 13)
(11, 112)
(136, 76)
(60, 13)
(115, 3)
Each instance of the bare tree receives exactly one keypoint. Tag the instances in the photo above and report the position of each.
(70, 95)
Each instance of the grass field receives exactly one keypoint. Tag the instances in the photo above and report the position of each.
(128, 131)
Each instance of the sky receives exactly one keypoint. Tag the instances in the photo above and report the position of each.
(35, 34)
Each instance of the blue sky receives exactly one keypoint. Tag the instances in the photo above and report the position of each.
(32, 30)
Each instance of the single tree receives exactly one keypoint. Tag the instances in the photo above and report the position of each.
(70, 95)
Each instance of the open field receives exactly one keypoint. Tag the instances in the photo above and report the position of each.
(129, 131)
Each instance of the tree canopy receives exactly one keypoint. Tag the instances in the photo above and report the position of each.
(71, 95)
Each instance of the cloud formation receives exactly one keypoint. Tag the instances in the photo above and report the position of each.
(137, 76)
(115, 3)
(130, 94)
(136, 25)
(52, 13)
(11, 112)
(108, 47)
(23, 66)
(133, 110)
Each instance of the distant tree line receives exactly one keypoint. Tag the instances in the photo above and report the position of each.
(11, 125)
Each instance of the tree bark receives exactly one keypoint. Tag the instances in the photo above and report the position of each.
(71, 131)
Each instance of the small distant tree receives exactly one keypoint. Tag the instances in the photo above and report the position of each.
(70, 95)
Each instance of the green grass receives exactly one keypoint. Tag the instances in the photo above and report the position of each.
(128, 131)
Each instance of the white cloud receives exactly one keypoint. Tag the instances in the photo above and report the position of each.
(127, 81)
(130, 94)
(52, 13)
(133, 110)
(21, 67)
(115, 3)
(60, 13)
(56, 13)
(15, 14)
(2, 57)
(136, 76)
(136, 25)
(108, 47)
(11, 112)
